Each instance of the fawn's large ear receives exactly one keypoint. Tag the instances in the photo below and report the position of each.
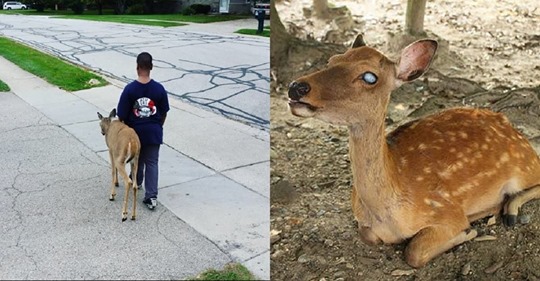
(359, 41)
(113, 113)
(99, 116)
(415, 59)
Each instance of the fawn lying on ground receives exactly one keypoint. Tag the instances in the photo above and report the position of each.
(430, 178)
(124, 147)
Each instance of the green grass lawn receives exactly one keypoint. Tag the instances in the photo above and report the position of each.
(125, 19)
(233, 271)
(266, 31)
(155, 20)
(3, 87)
(55, 71)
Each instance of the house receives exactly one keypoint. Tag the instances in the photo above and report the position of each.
(234, 6)
(223, 6)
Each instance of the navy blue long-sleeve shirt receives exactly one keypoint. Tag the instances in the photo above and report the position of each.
(142, 107)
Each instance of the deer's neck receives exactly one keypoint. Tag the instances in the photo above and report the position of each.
(373, 169)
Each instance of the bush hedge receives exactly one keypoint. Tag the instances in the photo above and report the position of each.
(201, 8)
(188, 11)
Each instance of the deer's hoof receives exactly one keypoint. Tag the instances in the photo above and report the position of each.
(111, 198)
(124, 219)
(132, 218)
(509, 220)
(116, 184)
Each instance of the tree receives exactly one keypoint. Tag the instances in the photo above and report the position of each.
(414, 28)
(284, 46)
(77, 6)
(99, 4)
(414, 17)
(280, 40)
(120, 7)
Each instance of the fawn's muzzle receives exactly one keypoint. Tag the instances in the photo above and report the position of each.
(298, 90)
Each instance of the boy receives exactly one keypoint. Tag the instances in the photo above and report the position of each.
(143, 106)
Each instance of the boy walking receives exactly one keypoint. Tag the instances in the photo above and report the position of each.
(143, 106)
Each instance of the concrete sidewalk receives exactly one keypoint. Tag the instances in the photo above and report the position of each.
(213, 177)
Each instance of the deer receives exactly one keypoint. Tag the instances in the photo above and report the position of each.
(426, 181)
(124, 147)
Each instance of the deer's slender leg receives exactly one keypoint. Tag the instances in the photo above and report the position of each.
(127, 183)
(114, 177)
(134, 168)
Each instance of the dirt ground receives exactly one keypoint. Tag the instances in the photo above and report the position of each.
(490, 58)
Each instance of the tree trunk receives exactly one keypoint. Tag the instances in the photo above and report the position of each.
(320, 8)
(100, 7)
(149, 6)
(414, 17)
(280, 40)
(120, 7)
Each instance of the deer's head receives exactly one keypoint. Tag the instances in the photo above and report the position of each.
(356, 86)
(105, 122)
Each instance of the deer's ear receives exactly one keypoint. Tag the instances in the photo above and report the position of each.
(359, 41)
(113, 113)
(415, 59)
(99, 116)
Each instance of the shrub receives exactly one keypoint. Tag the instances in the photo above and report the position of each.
(136, 9)
(77, 7)
(39, 6)
(188, 11)
(201, 8)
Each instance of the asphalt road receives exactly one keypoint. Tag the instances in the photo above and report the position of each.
(209, 67)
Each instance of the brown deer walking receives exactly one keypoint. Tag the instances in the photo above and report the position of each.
(428, 179)
(124, 147)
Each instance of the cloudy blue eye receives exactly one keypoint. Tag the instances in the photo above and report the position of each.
(369, 78)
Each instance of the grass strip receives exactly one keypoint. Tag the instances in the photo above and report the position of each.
(232, 271)
(171, 18)
(125, 20)
(265, 33)
(55, 71)
(4, 87)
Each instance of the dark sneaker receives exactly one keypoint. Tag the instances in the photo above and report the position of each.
(151, 203)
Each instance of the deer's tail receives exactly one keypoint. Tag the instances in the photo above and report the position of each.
(129, 155)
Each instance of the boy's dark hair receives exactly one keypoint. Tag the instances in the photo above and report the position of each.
(144, 61)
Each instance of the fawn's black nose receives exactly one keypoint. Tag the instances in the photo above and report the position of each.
(298, 90)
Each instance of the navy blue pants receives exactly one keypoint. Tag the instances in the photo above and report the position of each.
(148, 170)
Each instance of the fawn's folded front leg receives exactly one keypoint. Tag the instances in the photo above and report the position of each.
(436, 239)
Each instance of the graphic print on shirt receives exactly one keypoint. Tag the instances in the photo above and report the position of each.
(144, 108)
